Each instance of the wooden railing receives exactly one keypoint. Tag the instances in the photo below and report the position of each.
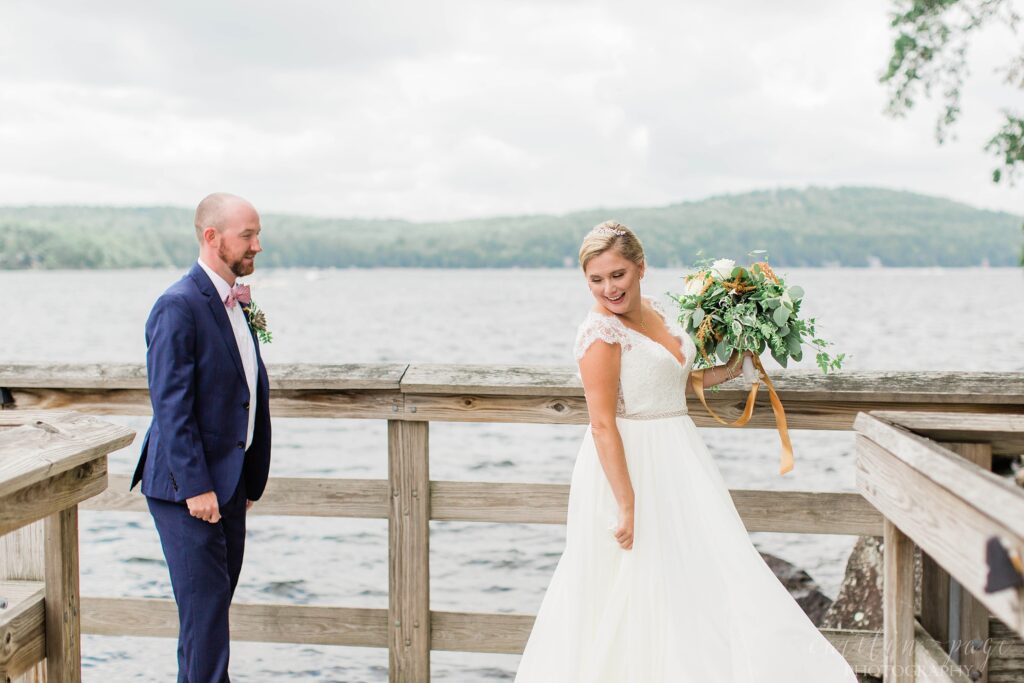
(411, 396)
(936, 496)
(49, 463)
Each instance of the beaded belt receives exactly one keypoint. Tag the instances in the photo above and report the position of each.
(652, 416)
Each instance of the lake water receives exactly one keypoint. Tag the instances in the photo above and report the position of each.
(906, 319)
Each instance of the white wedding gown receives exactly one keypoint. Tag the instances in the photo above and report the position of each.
(692, 602)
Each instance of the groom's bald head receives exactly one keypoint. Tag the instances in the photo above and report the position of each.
(216, 210)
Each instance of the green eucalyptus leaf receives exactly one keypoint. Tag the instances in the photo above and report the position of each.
(723, 351)
(796, 292)
(698, 316)
(780, 316)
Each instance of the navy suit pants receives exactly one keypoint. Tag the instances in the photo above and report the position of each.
(204, 561)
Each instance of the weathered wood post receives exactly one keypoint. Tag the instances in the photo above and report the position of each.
(21, 584)
(951, 615)
(898, 604)
(409, 552)
(48, 464)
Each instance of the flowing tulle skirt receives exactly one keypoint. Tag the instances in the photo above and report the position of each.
(691, 602)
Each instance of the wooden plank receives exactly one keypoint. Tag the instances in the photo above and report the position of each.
(508, 633)
(859, 387)
(298, 496)
(482, 408)
(492, 380)
(898, 604)
(348, 376)
(935, 582)
(408, 553)
(979, 488)
(500, 502)
(63, 626)
(815, 401)
(1006, 665)
(801, 412)
(35, 452)
(941, 520)
(21, 559)
(384, 405)
(46, 497)
(22, 628)
(778, 511)
(932, 664)
(935, 585)
(283, 403)
(86, 401)
(973, 627)
(480, 632)
(1004, 432)
(266, 623)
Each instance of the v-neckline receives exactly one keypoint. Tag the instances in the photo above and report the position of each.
(682, 366)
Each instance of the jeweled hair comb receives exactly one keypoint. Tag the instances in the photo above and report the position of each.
(607, 230)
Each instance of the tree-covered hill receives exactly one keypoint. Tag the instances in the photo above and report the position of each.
(850, 226)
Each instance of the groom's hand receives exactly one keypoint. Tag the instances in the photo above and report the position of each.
(204, 507)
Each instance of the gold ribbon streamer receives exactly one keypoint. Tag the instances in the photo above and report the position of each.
(786, 459)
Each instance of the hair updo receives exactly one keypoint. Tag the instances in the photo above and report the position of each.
(610, 235)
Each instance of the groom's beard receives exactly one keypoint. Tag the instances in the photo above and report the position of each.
(239, 267)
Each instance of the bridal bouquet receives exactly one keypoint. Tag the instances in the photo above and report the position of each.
(726, 309)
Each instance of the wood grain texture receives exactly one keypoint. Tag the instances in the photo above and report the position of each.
(898, 604)
(1006, 664)
(550, 393)
(508, 633)
(348, 376)
(21, 554)
(22, 628)
(979, 488)
(1004, 432)
(409, 553)
(268, 623)
(63, 625)
(974, 615)
(287, 496)
(932, 664)
(778, 511)
(944, 521)
(60, 442)
(61, 491)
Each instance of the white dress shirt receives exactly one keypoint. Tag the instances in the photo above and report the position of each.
(246, 346)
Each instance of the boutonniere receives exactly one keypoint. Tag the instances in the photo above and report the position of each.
(258, 322)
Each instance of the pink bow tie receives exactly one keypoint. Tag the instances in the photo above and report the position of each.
(238, 293)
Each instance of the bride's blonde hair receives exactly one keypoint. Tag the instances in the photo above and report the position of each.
(610, 235)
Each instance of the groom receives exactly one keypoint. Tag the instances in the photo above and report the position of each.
(206, 455)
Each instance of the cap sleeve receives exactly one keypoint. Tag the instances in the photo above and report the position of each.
(606, 328)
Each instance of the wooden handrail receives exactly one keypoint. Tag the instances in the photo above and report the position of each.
(409, 396)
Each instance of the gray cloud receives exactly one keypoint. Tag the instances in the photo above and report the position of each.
(451, 109)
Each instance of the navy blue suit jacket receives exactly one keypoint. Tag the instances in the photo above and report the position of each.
(196, 442)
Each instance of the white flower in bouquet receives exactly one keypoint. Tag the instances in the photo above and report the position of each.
(723, 267)
(695, 283)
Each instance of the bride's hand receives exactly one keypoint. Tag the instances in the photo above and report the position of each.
(624, 532)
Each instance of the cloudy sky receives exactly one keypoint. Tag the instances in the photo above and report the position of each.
(430, 110)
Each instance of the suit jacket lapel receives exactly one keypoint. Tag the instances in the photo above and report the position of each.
(220, 315)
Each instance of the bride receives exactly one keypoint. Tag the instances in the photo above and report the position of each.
(659, 582)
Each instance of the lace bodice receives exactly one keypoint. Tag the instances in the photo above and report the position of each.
(652, 382)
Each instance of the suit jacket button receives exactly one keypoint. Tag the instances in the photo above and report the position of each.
(241, 444)
(245, 406)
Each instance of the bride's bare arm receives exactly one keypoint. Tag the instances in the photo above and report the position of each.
(731, 369)
(599, 369)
